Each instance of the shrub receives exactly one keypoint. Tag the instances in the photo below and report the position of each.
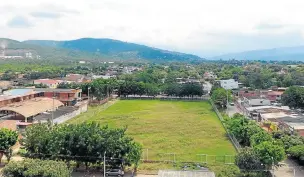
(296, 151)
(36, 168)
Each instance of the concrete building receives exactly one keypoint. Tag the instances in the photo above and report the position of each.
(274, 96)
(50, 83)
(102, 77)
(17, 95)
(229, 84)
(252, 102)
(68, 97)
(74, 78)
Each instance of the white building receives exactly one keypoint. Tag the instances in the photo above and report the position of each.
(28, 55)
(229, 84)
(252, 102)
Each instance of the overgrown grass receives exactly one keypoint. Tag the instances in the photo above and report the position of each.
(183, 128)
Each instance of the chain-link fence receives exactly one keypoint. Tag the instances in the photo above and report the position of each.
(230, 135)
(149, 155)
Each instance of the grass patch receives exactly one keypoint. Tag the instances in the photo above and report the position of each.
(183, 128)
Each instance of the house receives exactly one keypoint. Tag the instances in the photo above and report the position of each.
(252, 102)
(68, 97)
(50, 83)
(229, 84)
(274, 96)
(248, 93)
(17, 95)
(209, 76)
(74, 78)
(102, 77)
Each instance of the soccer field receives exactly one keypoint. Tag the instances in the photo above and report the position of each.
(183, 128)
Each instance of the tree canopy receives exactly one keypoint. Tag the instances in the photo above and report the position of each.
(36, 168)
(84, 143)
(8, 138)
(294, 97)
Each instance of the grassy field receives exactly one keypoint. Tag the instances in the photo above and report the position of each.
(183, 128)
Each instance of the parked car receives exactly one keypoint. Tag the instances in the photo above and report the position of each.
(231, 104)
(115, 172)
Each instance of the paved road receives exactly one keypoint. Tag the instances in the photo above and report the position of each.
(207, 86)
(232, 110)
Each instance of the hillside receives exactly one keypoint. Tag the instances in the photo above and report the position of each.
(16, 48)
(276, 54)
(117, 49)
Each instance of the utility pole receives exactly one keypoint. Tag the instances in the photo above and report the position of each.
(52, 121)
(104, 164)
(227, 101)
(272, 167)
(89, 94)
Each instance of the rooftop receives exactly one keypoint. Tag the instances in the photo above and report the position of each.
(261, 108)
(33, 106)
(57, 90)
(15, 93)
(47, 81)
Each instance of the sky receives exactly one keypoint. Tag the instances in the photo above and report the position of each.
(203, 27)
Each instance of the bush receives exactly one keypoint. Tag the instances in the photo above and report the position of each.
(297, 152)
(36, 168)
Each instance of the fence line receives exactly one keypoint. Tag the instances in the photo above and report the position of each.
(150, 156)
(201, 158)
(203, 98)
(230, 135)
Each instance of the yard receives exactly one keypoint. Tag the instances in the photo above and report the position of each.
(164, 128)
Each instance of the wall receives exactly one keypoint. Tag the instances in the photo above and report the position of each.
(64, 118)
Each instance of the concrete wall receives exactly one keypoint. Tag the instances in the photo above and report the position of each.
(64, 118)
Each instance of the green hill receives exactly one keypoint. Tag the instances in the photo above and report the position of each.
(16, 48)
(117, 49)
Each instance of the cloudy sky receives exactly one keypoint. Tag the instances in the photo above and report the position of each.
(203, 27)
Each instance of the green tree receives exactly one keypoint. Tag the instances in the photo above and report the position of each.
(242, 128)
(8, 138)
(294, 97)
(269, 153)
(297, 152)
(248, 160)
(83, 143)
(36, 168)
(219, 96)
(259, 138)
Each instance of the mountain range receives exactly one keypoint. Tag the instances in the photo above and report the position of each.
(109, 49)
(276, 54)
(115, 49)
(92, 49)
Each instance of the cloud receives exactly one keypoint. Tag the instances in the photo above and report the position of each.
(202, 27)
(19, 22)
(269, 26)
(49, 15)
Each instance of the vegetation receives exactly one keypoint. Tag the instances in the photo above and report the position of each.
(294, 97)
(248, 160)
(117, 49)
(221, 97)
(36, 168)
(83, 143)
(8, 138)
(183, 128)
(261, 151)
